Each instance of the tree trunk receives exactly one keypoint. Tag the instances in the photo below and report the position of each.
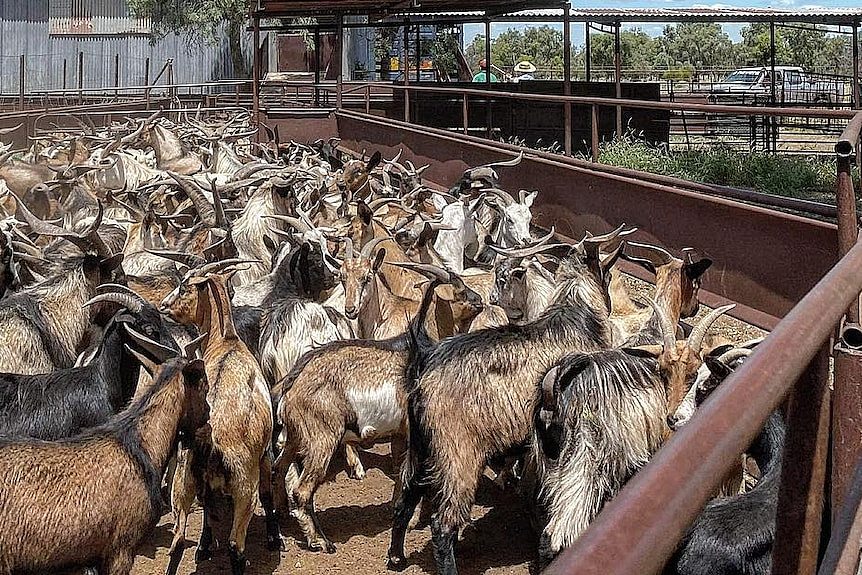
(240, 66)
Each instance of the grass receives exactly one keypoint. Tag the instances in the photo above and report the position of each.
(805, 177)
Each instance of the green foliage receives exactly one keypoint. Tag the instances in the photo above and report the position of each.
(199, 21)
(697, 44)
(638, 49)
(809, 177)
(543, 46)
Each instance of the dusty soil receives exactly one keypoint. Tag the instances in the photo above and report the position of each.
(356, 516)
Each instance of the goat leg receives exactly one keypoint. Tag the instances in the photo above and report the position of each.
(443, 538)
(273, 536)
(120, 563)
(411, 494)
(354, 466)
(243, 510)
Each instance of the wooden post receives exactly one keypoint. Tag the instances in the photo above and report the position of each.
(489, 129)
(418, 52)
(65, 71)
(594, 132)
(465, 114)
(368, 99)
(587, 56)
(618, 76)
(116, 75)
(567, 79)
(770, 122)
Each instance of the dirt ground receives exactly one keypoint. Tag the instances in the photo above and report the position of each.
(357, 516)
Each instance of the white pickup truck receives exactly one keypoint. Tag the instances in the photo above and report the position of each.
(793, 86)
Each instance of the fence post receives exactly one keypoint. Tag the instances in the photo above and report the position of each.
(465, 113)
(594, 129)
(21, 80)
(368, 99)
(80, 77)
(65, 69)
(117, 75)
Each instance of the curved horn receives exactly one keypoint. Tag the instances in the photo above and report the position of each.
(508, 163)
(549, 402)
(196, 195)
(123, 299)
(188, 260)
(369, 248)
(429, 271)
(668, 330)
(536, 248)
(656, 255)
(159, 351)
(296, 223)
(502, 194)
(608, 237)
(218, 207)
(732, 355)
(695, 339)
(216, 267)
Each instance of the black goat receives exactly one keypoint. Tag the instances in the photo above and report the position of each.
(62, 403)
(734, 535)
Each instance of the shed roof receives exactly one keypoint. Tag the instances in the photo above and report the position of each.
(287, 8)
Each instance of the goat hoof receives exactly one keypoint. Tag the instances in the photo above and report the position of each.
(275, 543)
(357, 474)
(203, 554)
(396, 563)
(237, 560)
(323, 545)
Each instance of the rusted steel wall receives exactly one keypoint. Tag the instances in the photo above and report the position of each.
(765, 260)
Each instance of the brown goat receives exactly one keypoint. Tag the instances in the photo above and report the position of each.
(90, 500)
(239, 460)
(677, 283)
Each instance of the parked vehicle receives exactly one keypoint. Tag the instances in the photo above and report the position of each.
(792, 85)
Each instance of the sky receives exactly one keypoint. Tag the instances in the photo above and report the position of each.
(655, 28)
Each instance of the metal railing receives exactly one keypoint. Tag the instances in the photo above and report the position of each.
(640, 528)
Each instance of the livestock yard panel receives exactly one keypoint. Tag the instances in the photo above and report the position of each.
(765, 260)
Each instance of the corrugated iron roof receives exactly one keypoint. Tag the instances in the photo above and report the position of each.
(825, 16)
(282, 8)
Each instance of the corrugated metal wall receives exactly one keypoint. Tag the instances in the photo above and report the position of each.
(25, 26)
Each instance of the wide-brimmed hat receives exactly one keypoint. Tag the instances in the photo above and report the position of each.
(525, 67)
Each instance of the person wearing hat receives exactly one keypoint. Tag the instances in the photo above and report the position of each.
(524, 70)
(480, 76)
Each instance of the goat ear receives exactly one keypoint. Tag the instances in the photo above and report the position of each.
(149, 366)
(696, 269)
(373, 162)
(112, 263)
(608, 261)
(364, 212)
(647, 351)
(378, 260)
(717, 367)
(270, 244)
(529, 199)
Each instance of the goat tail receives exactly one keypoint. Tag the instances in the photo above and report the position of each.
(419, 343)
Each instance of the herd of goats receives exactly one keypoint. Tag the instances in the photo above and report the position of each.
(186, 312)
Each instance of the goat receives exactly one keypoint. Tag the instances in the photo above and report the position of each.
(475, 392)
(42, 326)
(238, 459)
(64, 402)
(352, 391)
(736, 534)
(58, 509)
(602, 416)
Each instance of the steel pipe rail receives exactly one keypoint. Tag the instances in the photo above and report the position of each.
(638, 530)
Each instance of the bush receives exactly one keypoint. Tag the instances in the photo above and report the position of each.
(807, 177)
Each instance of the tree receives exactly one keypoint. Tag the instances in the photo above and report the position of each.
(755, 49)
(543, 46)
(697, 44)
(199, 21)
(638, 50)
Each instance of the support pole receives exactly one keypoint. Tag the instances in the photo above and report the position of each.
(770, 122)
(618, 75)
(116, 75)
(418, 52)
(80, 77)
(587, 52)
(856, 103)
(405, 57)
(489, 130)
(65, 73)
(255, 73)
(22, 67)
(567, 79)
(339, 80)
(317, 66)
